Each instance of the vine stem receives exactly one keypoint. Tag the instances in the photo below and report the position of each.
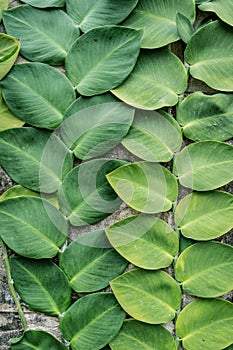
(11, 286)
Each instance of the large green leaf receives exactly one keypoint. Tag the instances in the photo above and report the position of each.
(205, 269)
(9, 48)
(206, 324)
(45, 3)
(89, 14)
(135, 334)
(39, 340)
(146, 187)
(92, 321)
(145, 241)
(28, 227)
(206, 117)
(45, 36)
(34, 158)
(155, 81)
(206, 215)
(205, 165)
(41, 285)
(90, 267)
(158, 19)
(102, 58)
(209, 52)
(38, 94)
(154, 136)
(7, 119)
(85, 196)
(224, 9)
(93, 131)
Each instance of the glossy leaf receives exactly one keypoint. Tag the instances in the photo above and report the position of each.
(209, 53)
(148, 296)
(32, 227)
(45, 36)
(206, 215)
(7, 119)
(41, 285)
(102, 58)
(135, 334)
(205, 165)
(206, 117)
(184, 27)
(89, 14)
(9, 48)
(92, 321)
(38, 94)
(145, 241)
(158, 19)
(45, 3)
(146, 187)
(95, 130)
(207, 323)
(154, 136)
(89, 267)
(85, 196)
(155, 81)
(223, 9)
(205, 269)
(34, 158)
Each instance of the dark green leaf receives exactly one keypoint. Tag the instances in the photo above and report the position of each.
(38, 340)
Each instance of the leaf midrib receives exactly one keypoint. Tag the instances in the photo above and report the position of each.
(87, 14)
(155, 17)
(200, 168)
(145, 346)
(199, 120)
(202, 61)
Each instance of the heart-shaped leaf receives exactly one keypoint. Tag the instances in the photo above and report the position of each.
(155, 81)
(7, 119)
(204, 216)
(41, 38)
(89, 14)
(146, 187)
(45, 3)
(9, 48)
(209, 52)
(102, 58)
(206, 324)
(34, 158)
(41, 285)
(135, 334)
(92, 321)
(38, 94)
(205, 269)
(158, 19)
(90, 263)
(223, 9)
(205, 165)
(154, 136)
(85, 195)
(206, 117)
(145, 241)
(32, 227)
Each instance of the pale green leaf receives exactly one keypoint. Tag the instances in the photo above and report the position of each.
(7, 119)
(9, 50)
(184, 27)
(223, 9)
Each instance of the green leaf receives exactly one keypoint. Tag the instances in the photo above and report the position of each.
(206, 324)
(3, 6)
(154, 136)
(45, 36)
(7, 119)
(34, 158)
(93, 131)
(85, 196)
(18, 191)
(209, 52)
(33, 339)
(102, 58)
(41, 285)
(184, 27)
(38, 94)
(145, 241)
(206, 215)
(205, 165)
(89, 14)
(206, 117)
(135, 334)
(155, 81)
(9, 48)
(32, 227)
(89, 267)
(158, 19)
(205, 269)
(146, 187)
(223, 9)
(92, 321)
(45, 3)
(148, 296)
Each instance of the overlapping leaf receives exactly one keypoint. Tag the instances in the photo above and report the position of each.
(184, 27)
(223, 9)
(45, 3)
(9, 48)
(7, 119)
